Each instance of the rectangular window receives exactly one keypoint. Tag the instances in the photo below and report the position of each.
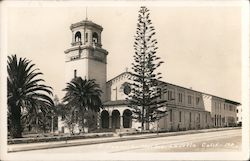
(189, 100)
(180, 116)
(197, 100)
(86, 37)
(75, 73)
(170, 115)
(190, 117)
(170, 97)
(206, 118)
(180, 97)
(230, 108)
(199, 117)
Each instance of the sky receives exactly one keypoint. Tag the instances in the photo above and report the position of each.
(200, 45)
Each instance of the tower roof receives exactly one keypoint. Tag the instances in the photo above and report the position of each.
(86, 23)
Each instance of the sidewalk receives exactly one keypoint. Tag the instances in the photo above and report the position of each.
(58, 144)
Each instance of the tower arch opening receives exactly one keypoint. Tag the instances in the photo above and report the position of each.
(95, 38)
(78, 36)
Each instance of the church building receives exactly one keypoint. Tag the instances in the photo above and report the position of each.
(187, 108)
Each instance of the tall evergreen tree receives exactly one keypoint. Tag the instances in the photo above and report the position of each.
(147, 89)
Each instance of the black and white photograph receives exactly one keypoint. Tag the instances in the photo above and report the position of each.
(124, 80)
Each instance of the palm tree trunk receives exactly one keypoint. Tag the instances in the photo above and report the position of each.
(37, 125)
(44, 125)
(52, 124)
(142, 117)
(86, 126)
(16, 129)
(82, 120)
(147, 118)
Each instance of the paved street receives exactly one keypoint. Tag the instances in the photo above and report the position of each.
(221, 141)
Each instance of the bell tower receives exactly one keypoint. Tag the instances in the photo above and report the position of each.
(86, 57)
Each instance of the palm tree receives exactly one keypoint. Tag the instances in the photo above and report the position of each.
(25, 91)
(82, 96)
(38, 116)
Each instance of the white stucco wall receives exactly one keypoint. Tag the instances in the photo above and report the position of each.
(115, 88)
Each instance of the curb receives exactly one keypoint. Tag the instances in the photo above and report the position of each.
(108, 140)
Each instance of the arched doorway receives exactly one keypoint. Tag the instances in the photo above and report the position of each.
(105, 119)
(127, 119)
(116, 119)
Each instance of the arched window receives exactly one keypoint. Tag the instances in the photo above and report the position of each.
(78, 36)
(95, 37)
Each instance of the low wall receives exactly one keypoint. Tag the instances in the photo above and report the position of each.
(58, 138)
